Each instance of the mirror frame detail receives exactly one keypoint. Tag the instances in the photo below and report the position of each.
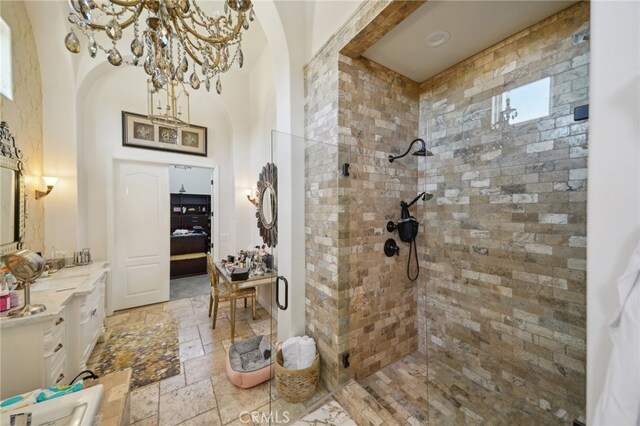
(11, 158)
(268, 181)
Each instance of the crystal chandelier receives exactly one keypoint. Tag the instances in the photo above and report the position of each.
(173, 40)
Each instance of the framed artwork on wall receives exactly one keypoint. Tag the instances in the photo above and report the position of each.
(139, 132)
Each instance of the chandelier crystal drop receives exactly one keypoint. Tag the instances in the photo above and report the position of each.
(173, 40)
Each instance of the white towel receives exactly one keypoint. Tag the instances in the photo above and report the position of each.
(619, 403)
(307, 352)
(298, 352)
(291, 352)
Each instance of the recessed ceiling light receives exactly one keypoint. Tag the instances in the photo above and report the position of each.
(437, 38)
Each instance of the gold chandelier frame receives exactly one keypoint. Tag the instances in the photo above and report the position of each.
(175, 30)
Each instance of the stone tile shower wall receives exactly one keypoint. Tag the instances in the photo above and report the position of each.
(326, 225)
(321, 215)
(358, 301)
(377, 116)
(504, 300)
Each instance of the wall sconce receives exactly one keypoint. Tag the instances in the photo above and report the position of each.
(50, 182)
(250, 193)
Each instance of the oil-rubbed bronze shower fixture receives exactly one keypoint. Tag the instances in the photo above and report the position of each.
(391, 248)
(420, 152)
(407, 228)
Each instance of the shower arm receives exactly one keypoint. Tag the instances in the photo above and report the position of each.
(421, 195)
(391, 157)
(404, 206)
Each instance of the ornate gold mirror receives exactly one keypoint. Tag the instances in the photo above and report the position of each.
(11, 193)
(267, 213)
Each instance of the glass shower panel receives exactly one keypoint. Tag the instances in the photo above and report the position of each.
(304, 297)
(384, 281)
(505, 293)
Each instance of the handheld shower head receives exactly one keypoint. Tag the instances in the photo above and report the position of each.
(404, 213)
(422, 151)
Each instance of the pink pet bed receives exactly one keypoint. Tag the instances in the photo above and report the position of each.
(249, 362)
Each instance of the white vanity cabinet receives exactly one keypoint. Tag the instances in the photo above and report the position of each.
(55, 346)
(33, 355)
(87, 310)
(52, 347)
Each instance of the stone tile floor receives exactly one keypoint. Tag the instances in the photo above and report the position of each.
(447, 398)
(401, 388)
(202, 394)
(331, 414)
(187, 287)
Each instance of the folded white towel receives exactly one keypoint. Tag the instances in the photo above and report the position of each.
(307, 352)
(298, 352)
(291, 352)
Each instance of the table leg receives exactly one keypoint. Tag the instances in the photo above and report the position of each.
(233, 317)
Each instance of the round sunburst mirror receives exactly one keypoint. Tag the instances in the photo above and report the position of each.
(267, 212)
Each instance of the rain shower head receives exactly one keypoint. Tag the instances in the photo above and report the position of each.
(422, 151)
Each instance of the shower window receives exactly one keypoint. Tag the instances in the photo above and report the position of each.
(521, 104)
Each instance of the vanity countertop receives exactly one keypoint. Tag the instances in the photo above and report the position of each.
(55, 290)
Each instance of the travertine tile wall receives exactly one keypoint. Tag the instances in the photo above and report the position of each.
(505, 245)
(377, 116)
(321, 213)
(23, 114)
(326, 293)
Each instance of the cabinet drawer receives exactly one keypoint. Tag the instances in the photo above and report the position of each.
(58, 322)
(54, 368)
(54, 341)
(89, 306)
(195, 220)
(53, 338)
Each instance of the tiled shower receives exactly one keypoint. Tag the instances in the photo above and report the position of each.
(498, 312)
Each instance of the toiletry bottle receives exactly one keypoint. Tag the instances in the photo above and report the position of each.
(14, 300)
(5, 299)
(10, 280)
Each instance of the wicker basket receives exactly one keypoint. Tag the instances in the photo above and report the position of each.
(296, 385)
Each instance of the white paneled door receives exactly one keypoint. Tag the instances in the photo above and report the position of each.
(142, 234)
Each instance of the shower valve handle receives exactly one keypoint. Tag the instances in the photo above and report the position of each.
(391, 248)
(391, 226)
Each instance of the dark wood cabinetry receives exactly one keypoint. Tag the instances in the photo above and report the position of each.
(189, 210)
(189, 252)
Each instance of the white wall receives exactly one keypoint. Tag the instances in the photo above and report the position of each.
(613, 208)
(196, 180)
(59, 124)
(67, 79)
(120, 89)
(323, 19)
(262, 115)
(83, 98)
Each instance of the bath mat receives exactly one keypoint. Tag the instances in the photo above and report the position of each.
(152, 351)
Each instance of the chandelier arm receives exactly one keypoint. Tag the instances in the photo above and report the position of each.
(202, 22)
(133, 18)
(186, 42)
(104, 10)
(127, 3)
(223, 39)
